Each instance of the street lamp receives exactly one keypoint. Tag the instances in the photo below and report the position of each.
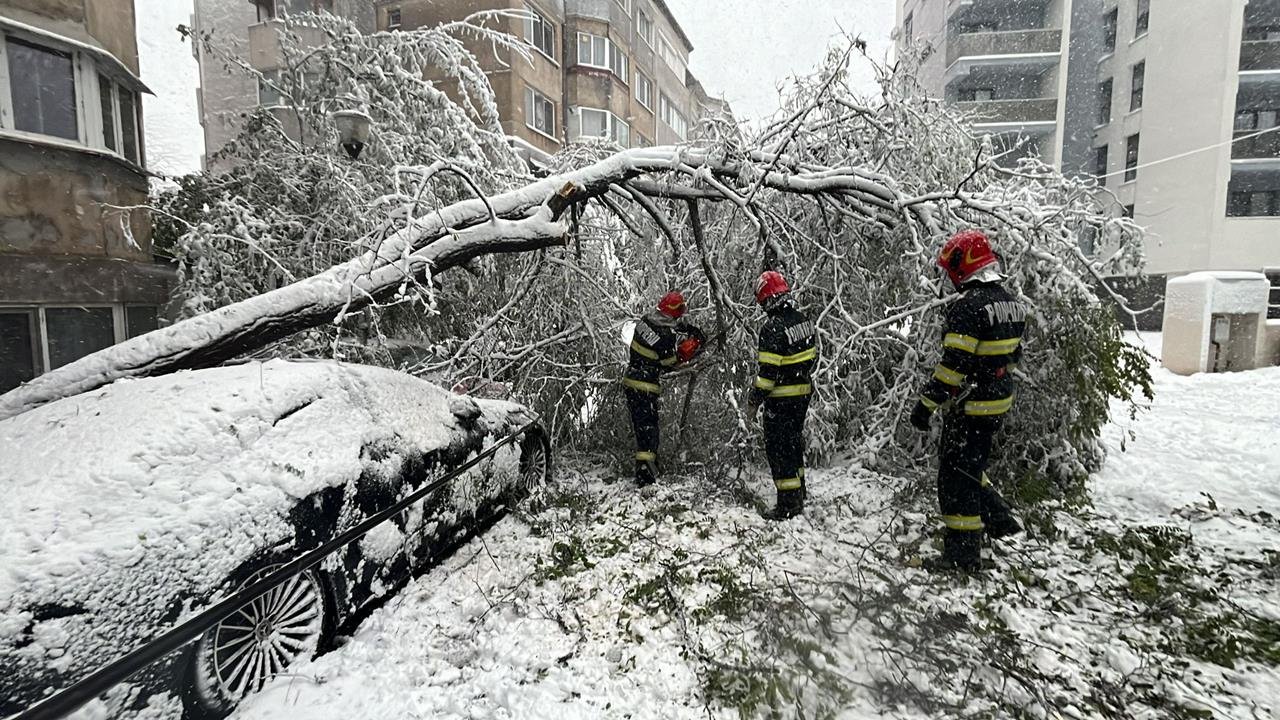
(353, 130)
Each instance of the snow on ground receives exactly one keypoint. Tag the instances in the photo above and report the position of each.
(1152, 603)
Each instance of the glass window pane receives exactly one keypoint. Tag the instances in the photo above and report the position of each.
(17, 348)
(128, 125)
(584, 49)
(43, 88)
(1266, 119)
(1259, 204)
(594, 123)
(108, 113)
(140, 319)
(76, 332)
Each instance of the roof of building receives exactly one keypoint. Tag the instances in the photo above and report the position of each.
(671, 18)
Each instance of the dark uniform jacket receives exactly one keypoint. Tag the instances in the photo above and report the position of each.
(981, 344)
(653, 350)
(788, 354)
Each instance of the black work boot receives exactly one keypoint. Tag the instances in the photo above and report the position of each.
(646, 472)
(790, 504)
(961, 550)
(996, 514)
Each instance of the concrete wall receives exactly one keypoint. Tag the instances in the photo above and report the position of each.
(52, 203)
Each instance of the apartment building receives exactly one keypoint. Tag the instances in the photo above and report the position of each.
(1169, 104)
(249, 30)
(75, 275)
(613, 69)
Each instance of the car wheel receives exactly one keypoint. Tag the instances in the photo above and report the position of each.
(261, 640)
(535, 464)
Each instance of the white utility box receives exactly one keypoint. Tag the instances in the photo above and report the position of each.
(1215, 322)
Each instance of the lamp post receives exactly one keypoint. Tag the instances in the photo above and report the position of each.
(353, 130)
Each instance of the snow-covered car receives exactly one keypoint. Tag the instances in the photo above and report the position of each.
(129, 508)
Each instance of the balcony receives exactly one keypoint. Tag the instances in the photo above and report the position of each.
(1259, 58)
(959, 8)
(265, 52)
(1028, 115)
(1029, 50)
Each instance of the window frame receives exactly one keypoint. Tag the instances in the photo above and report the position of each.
(611, 124)
(625, 5)
(88, 71)
(648, 82)
(612, 51)
(1137, 84)
(1101, 163)
(1132, 146)
(532, 93)
(35, 333)
(648, 39)
(1110, 30)
(665, 104)
(1105, 107)
(665, 48)
(531, 26)
(398, 12)
(1142, 19)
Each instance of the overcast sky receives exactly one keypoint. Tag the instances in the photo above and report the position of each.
(175, 139)
(743, 48)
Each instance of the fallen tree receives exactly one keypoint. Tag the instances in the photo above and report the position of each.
(851, 197)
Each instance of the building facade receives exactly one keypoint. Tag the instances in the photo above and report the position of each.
(76, 273)
(1172, 106)
(612, 69)
(249, 30)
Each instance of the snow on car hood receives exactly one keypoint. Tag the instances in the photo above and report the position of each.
(118, 501)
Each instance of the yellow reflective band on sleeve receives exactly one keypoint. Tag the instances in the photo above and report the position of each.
(791, 483)
(791, 390)
(764, 383)
(963, 522)
(668, 361)
(642, 350)
(769, 358)
(998, 347)
(928, 403)
(960, 342)
(646, 456)
(642, 386)
(986, 481)
(948, 376)
(988, 407)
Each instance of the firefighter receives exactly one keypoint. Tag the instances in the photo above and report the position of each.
(972, 386)
(783, 385)
(659, 343)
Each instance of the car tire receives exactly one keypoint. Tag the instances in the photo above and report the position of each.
(292, 622)
(535, 464)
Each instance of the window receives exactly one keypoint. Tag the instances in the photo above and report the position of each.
(642, 141)
(1100, 163)
(644, 90)
(672, 116)
(1254, 203)
(1127, 211)
(1110, 24)
(644, 26)
(42, 86)
(1104, 101)
(600, 52)
(540, 33)
(268, 95)
(668, 53)
(140, 319)
(77, 331)
(1144, 17)
(107, 102)
(129, 126)
(1262, 32)
(18, 347)
(908, 28)
(393, 18)
(624, 4)
(1139, 79)
(1131, 159)
(603, 124)
(979, 94)
(1251, 120)
(539, 112)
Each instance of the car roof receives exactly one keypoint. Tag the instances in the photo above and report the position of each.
(196, 456)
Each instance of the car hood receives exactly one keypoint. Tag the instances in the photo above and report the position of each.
(115, 503)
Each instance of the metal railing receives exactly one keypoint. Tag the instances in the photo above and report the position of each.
(72, 697)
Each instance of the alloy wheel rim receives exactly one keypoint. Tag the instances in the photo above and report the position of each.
(264, 637)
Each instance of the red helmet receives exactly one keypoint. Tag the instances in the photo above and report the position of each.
(672, 305)
(965, 254)
(770, 284)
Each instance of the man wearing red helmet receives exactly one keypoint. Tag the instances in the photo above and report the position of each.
(788, 353)
(659, 342)
(973, 386)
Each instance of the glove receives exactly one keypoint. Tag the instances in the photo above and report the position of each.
(920, 416)
(688, 349)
